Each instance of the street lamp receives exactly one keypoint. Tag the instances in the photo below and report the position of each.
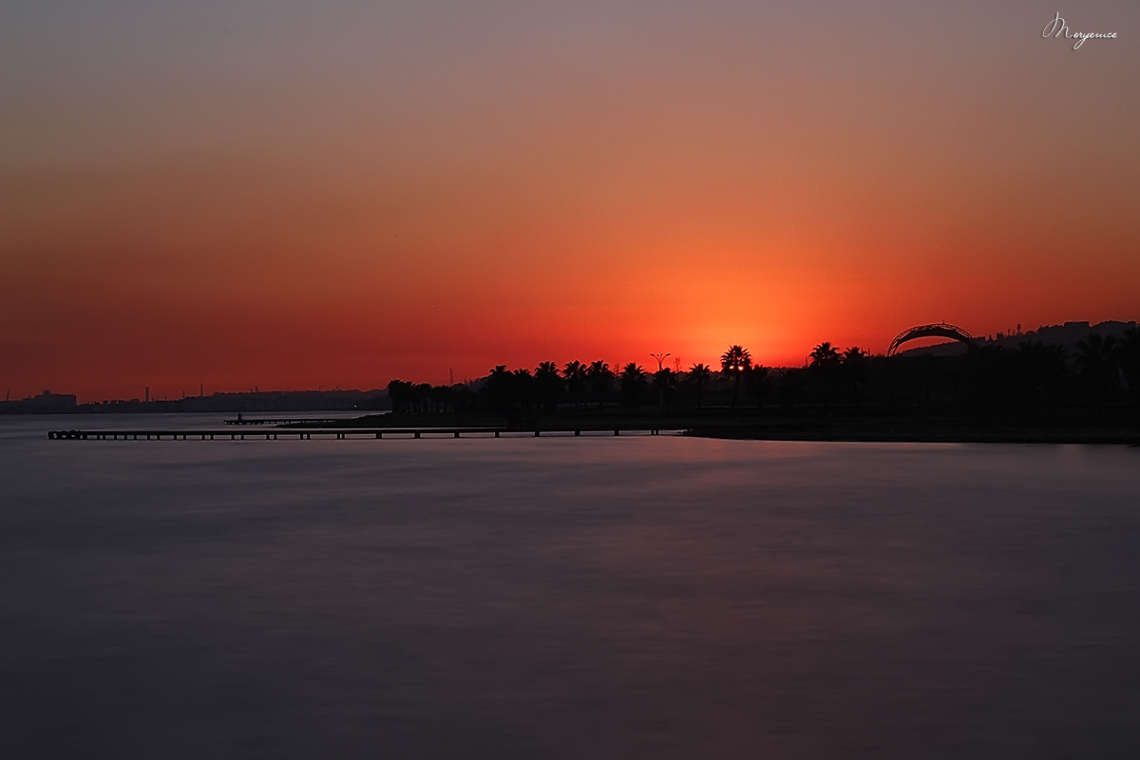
(661, 358)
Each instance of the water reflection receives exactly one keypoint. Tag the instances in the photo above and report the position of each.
(650, 597)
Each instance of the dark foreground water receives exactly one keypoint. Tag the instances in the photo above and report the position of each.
(565, 598)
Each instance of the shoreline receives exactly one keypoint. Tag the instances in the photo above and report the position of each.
(916, 434)
(839, 430)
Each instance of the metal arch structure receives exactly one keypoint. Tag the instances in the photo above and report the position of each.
(940, 330)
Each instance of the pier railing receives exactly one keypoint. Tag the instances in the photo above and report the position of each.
(341, 433)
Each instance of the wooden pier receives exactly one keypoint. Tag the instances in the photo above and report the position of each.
(282, 421)
(338, 433)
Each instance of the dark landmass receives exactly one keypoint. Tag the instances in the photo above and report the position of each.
(258, 401)
(45, 403)
(1068, 383)
(1075, 382)
(1067, 336)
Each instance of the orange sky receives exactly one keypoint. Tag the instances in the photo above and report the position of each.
(295, 195)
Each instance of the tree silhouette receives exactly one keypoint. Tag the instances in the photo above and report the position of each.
(400, 393)
(523, 388)
(733, 363)
(601, 380)
(548, 384)
(499, 387)
(421, 396)
(1035, 383)
(824, 355)
(575, 374)
(665, 381)
(632, 383)
(756, 381)
(699, 377)
(440, 397)
(824, 359)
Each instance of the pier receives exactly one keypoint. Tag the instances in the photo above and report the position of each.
(339, 433)
(283, 421)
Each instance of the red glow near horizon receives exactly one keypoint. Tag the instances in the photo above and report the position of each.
(374, 197)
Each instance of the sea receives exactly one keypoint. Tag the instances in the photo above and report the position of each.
(560, 597)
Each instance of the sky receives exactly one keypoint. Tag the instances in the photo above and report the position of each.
(287, 194)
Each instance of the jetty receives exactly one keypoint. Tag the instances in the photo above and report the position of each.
(344, 433)
(285, 421)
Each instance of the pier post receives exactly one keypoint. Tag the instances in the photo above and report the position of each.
(416, 434)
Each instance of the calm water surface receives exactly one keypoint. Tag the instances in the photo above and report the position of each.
(564, 598)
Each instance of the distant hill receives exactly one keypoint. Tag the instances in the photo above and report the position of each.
(1065, 335)
(254, 401)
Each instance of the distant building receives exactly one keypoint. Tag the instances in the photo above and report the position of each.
(45, 403)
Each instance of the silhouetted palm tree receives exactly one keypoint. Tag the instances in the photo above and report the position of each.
(756, 381)
(522, 388)
(499, 387)
(422, 396)
(575, 374)
(632, 383)
(665, 381)
(699, 377)
(400, 394)
(824, 359)
(733, 363)
(548, 384)
(601, 379)
(824, 354)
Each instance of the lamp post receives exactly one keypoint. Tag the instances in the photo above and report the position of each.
(660, 387)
